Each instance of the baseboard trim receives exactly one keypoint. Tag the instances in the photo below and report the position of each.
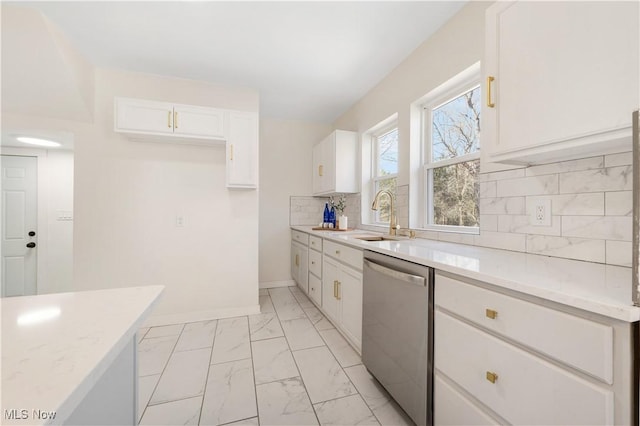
(168, 319)
(274, 284)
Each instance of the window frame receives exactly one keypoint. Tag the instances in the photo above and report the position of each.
(448, 91)
(375, 176)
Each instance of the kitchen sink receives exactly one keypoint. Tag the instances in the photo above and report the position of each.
(376, 238)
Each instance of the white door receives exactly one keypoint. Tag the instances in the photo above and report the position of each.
(19, 225)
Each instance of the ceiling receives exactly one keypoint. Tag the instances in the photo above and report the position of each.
(308, 60)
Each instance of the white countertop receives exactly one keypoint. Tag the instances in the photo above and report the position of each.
(55, 347)
(593, 287)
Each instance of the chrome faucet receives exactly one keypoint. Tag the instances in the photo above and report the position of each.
(392, 214)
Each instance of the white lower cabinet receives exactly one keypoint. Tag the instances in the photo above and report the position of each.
(315, 289)
(342, 290)
(299, 265)
(500, 359)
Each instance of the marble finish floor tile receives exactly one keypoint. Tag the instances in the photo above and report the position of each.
(197, 335)
(246, 422)
(319, 321)
(141, 333)
(183, 412)
(230, 394)
(285, 402)
(287, 307)
(387, 411)
(264, 326)
(146, 385)
(266, 305)
(272, 360)
(301, 334)
(184, 377)
(341, 349)
(302, 298)
(153, 354)
(350, 410)
(165, 330)
(322, 375)
(231, 341)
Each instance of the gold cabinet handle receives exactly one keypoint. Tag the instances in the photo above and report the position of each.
(175, 119)
(169, 119)
(297, 260)
(338, 252)
(492, 377)
(490, 313)
(338, 291)
(313, 263)
(490, 104)
(335, 288)
(231, 158)
(320, 170)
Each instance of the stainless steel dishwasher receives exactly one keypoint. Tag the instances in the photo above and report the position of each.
(397, 331)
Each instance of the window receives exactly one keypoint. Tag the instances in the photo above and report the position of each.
(384, 169)
(451, 127)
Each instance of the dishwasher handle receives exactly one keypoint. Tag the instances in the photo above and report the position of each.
(402, 276)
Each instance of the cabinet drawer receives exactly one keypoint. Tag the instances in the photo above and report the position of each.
(315, 289)
(452, 408)
(315, 243)
(527, 389)
(300, 237)
(580, 343)
(348, 255)
(315, 263)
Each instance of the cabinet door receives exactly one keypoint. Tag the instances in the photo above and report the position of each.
(350, 295)
(295, 261)
(315, 289)
(303, 269)
(193, 121)
(566, 78)
(318, 169)
(242, 150)
(139, 116)
(329, 287)
(329, 160)
(453, 408)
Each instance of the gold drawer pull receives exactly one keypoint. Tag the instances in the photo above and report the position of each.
(492, 377)
(313, 263)
(490, 313)
(490, 104)
(338, 292)
(175, 120)
(297, 260)
(335, 288)
(338, 252)
(320, 170)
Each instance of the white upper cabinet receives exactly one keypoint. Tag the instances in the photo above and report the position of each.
(335, 164)
(242, 150)
(189, 124)
(565, 80)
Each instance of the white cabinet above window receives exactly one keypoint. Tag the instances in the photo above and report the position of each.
(561, 80)
(144, 119)
(334, 164)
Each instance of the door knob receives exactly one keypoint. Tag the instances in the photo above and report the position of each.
(32, 233)
(31, 245)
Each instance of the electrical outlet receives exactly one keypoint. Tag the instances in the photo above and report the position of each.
(179, 221)
(541, 212)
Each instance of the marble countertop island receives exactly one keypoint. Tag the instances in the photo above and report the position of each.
(56, 347)
(593, 287)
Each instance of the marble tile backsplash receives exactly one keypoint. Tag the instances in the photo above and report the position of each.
(309, 210)
(591, 210)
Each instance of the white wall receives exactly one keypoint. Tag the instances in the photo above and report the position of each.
(59, 193)
(285, 170)
(452, 49)
(127, 196)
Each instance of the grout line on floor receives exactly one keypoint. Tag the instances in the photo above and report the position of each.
(206, 380)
